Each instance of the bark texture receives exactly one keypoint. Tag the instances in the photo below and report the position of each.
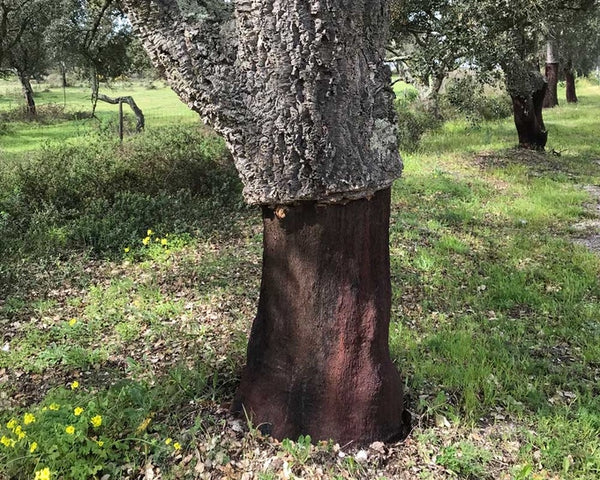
(570, 81)
(28, 94)
(298, 89)
(551, 96)
(527, 88)
(318, 357)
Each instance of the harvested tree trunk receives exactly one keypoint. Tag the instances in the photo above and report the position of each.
(30, 107)
(139, 115)
(527, 89)
(570, 81)
(318, 357)
(551, 96)
(301, 93)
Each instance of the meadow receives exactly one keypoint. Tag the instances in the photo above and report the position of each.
(130, 274)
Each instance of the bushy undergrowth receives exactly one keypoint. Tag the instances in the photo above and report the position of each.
(463, 97)
(103, 196)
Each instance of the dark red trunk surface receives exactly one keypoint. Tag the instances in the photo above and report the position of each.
(529, 120)
(571, 90)
(318, 357)
(551, 96)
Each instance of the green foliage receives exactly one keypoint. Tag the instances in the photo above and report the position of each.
(299, 450)
(414, 120)
(466, 96)
(78, 433)
(103, 196)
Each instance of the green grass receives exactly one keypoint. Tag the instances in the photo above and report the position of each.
(495, 320)
(160, 106)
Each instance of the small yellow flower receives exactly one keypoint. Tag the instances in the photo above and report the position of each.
(100, 443)
(144, 425)
(74, 385)
(78, 411)
(7, 442)
(168, 441)
(54, 406)
(28, 418)
(177, 446)
(96, 421)
(20, 433)
(164, 241)
(33, 447)
(146, 241)
(127, 249)
(11, 425)
(43, 474)
(72, 322)
(70, 429)
(149, 232)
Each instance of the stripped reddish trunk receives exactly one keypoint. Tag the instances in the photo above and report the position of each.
(551, 96)
(318, 356)
(570, 80)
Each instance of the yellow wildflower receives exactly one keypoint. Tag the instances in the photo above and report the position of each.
(72, 322)
(43, 474)
(7, 442)
(74, 385)
(70, 429)
(96, 421)
(100, 443)
(168, 441)
(19, 432)
(146, 241)
(28, 418)
(144, 425)
(78, 411)
(177, 446)
(127, 249)
(11, 425)
(164, 241)
(54, 406)
(149, 232)
(33, 447)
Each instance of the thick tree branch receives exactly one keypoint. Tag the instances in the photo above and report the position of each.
(129, 101)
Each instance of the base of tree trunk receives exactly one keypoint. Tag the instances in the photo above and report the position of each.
(318, 358)
(571, 90)
(529, 120)
(551, 96)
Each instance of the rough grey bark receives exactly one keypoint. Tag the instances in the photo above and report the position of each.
(27, 94)
(527, 88)
(298, 89)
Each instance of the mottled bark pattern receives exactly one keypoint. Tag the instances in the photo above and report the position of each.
(318, 357)
(527, 88)
(298, 89)
(28, 95)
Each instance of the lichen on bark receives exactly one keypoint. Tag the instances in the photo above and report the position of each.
(298, 89)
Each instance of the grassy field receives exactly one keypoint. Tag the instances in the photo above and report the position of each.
(159, 103)
(129, 278)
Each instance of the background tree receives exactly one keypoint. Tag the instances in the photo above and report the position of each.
(94, 35)
(23, 25)
(301, 93)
